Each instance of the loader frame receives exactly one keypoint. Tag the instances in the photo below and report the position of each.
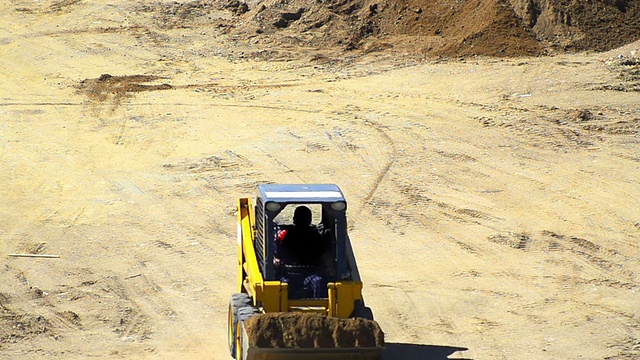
(256, 231)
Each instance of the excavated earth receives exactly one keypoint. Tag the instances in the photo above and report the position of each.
(488, 149)
(432, 28)
(311, 331)
(425, 27)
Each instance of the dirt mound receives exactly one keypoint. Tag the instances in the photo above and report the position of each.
(105, 86)
(582, 25)
(300, 330)
(442, 27)
(436, 27)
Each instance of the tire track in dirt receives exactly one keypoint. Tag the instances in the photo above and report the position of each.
(167, 299)
(127, 30)
(414, 192)
(385, 169)
(399, 308)
(480, 217)
(218, 176)
(596, 264)
(46, 7)
(420, 207)
(603, 262)
(280, 164)
(573, 128)
(155, 301)
(410, 210)
(7, 104)
(111, 307)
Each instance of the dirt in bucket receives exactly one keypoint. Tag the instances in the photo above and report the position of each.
(310, 330)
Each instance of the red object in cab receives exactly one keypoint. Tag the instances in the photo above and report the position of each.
(282, 234)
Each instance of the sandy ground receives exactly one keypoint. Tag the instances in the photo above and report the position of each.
(493, 203)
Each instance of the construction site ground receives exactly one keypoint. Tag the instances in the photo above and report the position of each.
(494, 202)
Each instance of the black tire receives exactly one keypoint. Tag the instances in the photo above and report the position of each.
(237, 302)
(243, 314)
(247, 312)
(361, 311)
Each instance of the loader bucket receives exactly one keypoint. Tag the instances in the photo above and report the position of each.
(314, 354)
(293, 336)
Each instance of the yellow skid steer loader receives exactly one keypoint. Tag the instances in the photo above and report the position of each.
(274, 315)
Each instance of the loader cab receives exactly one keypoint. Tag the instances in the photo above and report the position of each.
(274, 207)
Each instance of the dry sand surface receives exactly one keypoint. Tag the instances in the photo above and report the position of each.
(494, 203)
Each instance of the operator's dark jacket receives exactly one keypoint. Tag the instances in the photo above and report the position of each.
(302, 245)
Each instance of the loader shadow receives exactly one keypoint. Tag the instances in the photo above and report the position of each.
(420, 352)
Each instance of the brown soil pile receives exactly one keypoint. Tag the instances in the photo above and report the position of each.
(105, 86)
(441, 27)
(302, 330)
(582, 25)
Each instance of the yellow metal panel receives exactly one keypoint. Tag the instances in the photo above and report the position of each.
(271, 295)
(333, 299)
(284, 296)
(346, 295)
(242, 205)
(274, 296)
(249, 261)
(340, 302)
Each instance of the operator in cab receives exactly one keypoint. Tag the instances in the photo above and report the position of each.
(299, 256)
